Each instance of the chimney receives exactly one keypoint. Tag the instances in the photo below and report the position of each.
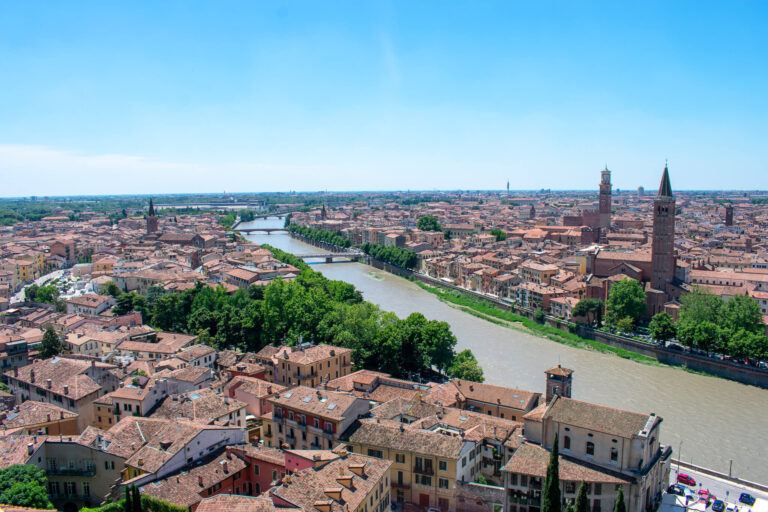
(225, 466)
(200, 480)
(61, 415)
(66, 389)
(32, 376)
(48, 383)
(269, 389)
(93, 363)
(30, 448)
(48, 418)
(15, 371)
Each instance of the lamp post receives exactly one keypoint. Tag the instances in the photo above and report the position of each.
(679, 455)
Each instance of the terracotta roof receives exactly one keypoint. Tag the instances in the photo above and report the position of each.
(307, 488)
(326, 404)
(389, 435)
(504, 396)
(184, 488)
(32, 413)
(236, 503)
(533, 460)
(596, 417)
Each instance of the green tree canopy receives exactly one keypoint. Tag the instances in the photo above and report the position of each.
(591, 310)
(428, 223)
(24, 485)
(662, 327)
(51, 344)
(500, 234)
(626, 299)
(465, 366)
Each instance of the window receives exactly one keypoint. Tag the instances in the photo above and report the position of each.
(590, 448)
(463, 462)
(443, 465)
(597, 489)
(567, 443)
(442, 483)
(570, 487)
(614, 454)
(375, 453)
(70, 488)
(513, 479)
(86, 489)
(424, 480)
(400, 458)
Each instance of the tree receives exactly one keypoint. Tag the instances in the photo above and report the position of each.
(428, 223)
(539, 315)
(500, 235)
(626, 325)
(582, 502)
(466, 367)
(128, 501)
(591, 310)
(51, 344)
(742, 312)
(110, 289)
(662, 327)
(619, 506)
(440, 342)
(24, 485)
(124, 304)
(626, 299)
(136, 501)
(551, 495)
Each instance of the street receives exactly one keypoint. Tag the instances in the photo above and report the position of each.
(724, 490)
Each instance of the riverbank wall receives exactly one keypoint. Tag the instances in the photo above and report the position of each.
(717, 474)
(694, 362)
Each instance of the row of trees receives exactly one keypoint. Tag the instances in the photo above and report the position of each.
(310, 308)
(391, 254)
(733, 327)
(321, 235)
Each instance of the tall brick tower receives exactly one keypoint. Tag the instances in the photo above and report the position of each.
(729, 215)
(151, 219)
(663, 247)
(605, 202)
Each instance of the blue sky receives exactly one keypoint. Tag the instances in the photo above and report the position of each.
(194, 96)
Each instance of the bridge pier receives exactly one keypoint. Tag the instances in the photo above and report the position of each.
(329, 259)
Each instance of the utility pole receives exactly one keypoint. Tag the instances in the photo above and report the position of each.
(679, 455)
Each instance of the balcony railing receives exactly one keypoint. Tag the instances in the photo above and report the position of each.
(72, 471)
(424, 470)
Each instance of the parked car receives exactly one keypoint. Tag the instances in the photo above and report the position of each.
(676, 347)
(686, 479)
(676, 489)
(718, 506)
(704, 495)
(747, 499)
(731, 508)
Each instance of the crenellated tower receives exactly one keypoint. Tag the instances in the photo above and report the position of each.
(605, 202)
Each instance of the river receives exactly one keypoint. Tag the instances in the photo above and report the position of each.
(716, 420)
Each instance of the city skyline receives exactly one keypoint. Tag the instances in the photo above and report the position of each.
(385, 96)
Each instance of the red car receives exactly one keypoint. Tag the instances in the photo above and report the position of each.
(686, 479)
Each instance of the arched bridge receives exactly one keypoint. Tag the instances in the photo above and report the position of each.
(261, 230)
(333, 257)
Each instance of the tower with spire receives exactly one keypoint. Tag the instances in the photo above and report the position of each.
(663, 245)
(605, 202)
(151, 219)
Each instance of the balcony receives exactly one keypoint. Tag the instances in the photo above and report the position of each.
(71, 471)
(424, 470)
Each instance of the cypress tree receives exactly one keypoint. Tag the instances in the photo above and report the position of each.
(551, 501)
(620, 506)
(582, 502)
(127, 506)
(136, 499)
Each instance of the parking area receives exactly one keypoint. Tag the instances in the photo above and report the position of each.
(720, 489)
